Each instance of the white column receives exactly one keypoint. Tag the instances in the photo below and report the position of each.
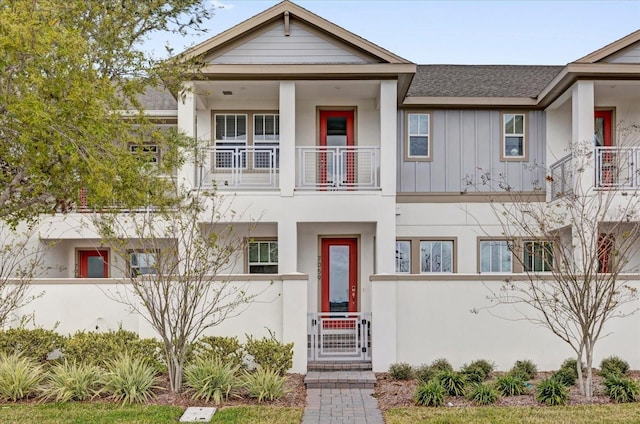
(386, 238)
(388, 136)
(287, 246)
(384, 318)
(187, 124)
(582, 133)
(287, 137)
(294, 318)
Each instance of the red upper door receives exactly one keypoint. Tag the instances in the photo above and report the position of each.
(93, 263)
(336, 128)
(602, 128)
(339, 261)
(337, 162)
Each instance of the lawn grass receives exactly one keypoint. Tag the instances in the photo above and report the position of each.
(586, 414)
(107, 413)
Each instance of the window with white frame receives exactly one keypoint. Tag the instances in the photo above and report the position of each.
(147, 152)
(266, 139)
(538, 256)
(142, 262)
(436, 256)
(418, 136)
(263, 257)
(403, 256)
(513, 126)
(230, 140)
(495, 256)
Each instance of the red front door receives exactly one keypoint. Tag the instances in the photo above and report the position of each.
(339, 274)
(336, 134)
(603, 137)
(93, 263)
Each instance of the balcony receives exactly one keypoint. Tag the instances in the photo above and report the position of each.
(615, 168)
(335, 168)
(243, 167)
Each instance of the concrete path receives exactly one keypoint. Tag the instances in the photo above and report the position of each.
(332, 406)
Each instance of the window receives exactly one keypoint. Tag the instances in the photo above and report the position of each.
(231, 140)
(436, 256)
(418, 136)
(148, 152)
(263, 257)
(605, 250)
(403, 256)
(495, 256)
(266, 138)
(513, 131)
(142, 263)
(538, 256)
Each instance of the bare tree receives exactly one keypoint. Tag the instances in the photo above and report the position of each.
(176, 258)
(21, 260)
(574, 250)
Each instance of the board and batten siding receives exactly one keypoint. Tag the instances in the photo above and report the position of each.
(466, 144)
(629, 55)
(300, 47)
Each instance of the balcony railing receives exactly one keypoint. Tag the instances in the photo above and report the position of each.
(338, 168)
(244, 167)
(618, 167)
(561, 178)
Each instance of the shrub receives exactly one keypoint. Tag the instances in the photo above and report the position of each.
(264, 384)
(100, 348)
(552, 392)
(401, 371)
(452, 381)
(35, 344)
(614, 365)
(511, 384)
(71, 381)
(441, 364)
(270, 353)
(430, 394)
(565, 376)
(228, 349)
(483, 394)
(477, 371)
(424, 373)
(212, 379)
(19, 377)
(130, 380)
(525, 368)
(621, 389)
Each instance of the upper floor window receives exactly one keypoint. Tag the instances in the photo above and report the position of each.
(147, 152)
(495, 256)
(142, 262)
(231, 129)
(263, 257)
(538, 256)
(403, 256)
(513, 136)
(436, 256)
(418, 136)
(266, 138)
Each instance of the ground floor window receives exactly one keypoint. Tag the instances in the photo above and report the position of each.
(538, 256)
(495, 256)
(425, 255)
(142, 262)
(263, 257)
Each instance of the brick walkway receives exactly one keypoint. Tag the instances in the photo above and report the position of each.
(336, 401)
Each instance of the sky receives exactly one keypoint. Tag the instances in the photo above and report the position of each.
(542, 32)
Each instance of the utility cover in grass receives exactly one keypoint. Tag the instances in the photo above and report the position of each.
(197, 414)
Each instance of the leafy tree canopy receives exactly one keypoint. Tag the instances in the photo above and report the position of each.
(68, 71)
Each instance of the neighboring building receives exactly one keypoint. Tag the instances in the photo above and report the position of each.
(361, 170)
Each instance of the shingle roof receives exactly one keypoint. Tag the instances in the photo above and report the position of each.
(158, 99)
(481, 80)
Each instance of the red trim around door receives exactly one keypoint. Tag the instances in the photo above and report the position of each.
(324, 114)
(352, 243)
(606, 116)
(83, 262)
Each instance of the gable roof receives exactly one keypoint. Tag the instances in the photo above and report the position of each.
(610, 49)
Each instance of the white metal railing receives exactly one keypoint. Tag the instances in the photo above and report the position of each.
(340, 336)
(617, 167)
(561, 178)
(338, 168)
(241, 167)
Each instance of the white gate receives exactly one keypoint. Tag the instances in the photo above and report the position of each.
(344, 336)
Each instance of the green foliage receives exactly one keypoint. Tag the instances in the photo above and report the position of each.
(525, 368)
(424, 373)
(70, 381)
(35, 344)
(511, 384)
(621, 389)
(212, 379)
(401, 371)
(453, 382)
(441, 364)
(614, 365)
(228, 349)
(264, 384)
(430, 393)
(19, 377)
(552, 392)
(483, 394)
(565, 376)
(270, 353)
(477, 371)
(99, 348)
(130, 380)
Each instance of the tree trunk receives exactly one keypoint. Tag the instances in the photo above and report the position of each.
(581, 385)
